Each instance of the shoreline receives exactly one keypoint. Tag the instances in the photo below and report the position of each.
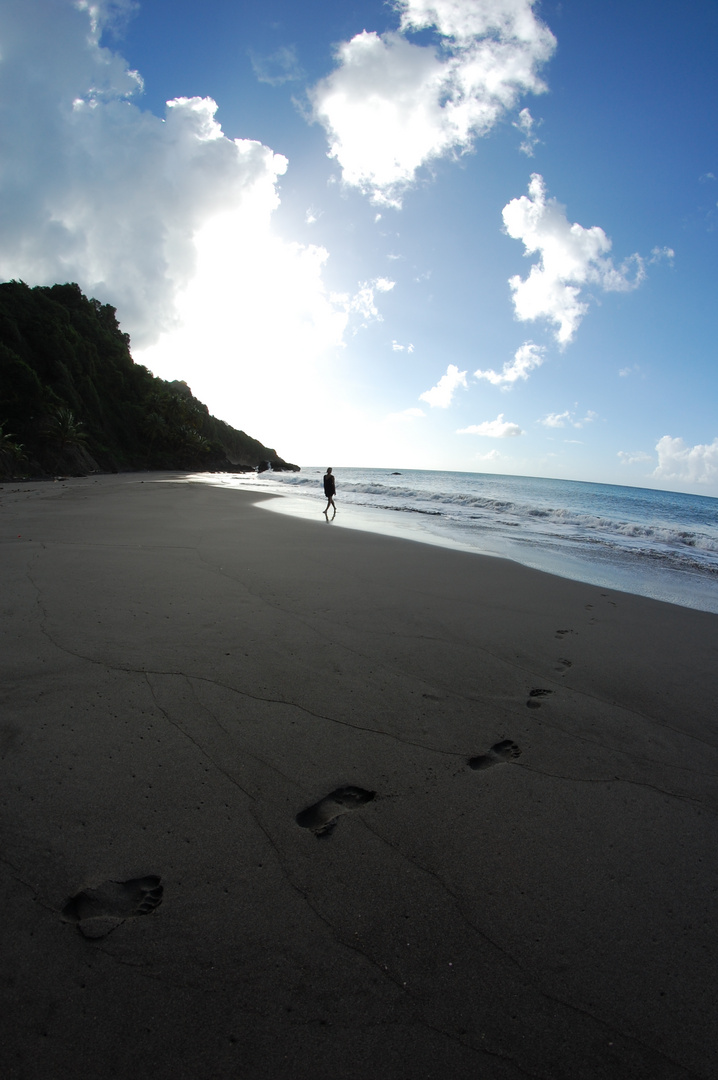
(285, 802)
(682, 587)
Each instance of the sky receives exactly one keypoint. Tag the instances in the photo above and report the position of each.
(473, 235)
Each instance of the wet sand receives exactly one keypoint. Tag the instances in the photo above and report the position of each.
(286, 801)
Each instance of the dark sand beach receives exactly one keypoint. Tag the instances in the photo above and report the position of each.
(287, 801)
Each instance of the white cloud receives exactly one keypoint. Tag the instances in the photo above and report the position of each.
(493, 429)
(559, 420)
(526, 124)
(570, 257)
(491, 455)
(396, 347)
(658, 254)
(279, 67)
(527, 357)
(363, 303)
(391, 106)
(171, 222)
(556, 420)
(97, 191)
(676, 461)
(439, 397)
(635, 458)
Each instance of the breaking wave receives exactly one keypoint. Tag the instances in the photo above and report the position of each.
(537, 521)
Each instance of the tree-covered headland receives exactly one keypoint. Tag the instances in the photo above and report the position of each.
(73, 401)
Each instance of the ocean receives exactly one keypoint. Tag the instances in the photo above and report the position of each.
(661, 544)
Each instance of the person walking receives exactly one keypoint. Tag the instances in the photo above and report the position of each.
(330, 490)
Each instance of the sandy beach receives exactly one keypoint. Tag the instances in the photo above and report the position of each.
(282, 801)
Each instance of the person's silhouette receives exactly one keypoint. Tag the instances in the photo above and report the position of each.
(330, 490)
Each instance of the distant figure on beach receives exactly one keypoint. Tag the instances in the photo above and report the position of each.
(330, 490)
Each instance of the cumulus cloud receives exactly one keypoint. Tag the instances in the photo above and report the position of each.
(95, 190)
(169, 220)
(493, 429)
(527, 357)
(439, 397)
(677, 461)
(570, 258)
(391, 106)
(397, 347)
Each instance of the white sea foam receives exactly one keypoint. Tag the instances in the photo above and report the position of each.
(663, 544)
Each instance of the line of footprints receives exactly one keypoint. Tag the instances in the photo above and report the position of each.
(321, 818)
(98, 911)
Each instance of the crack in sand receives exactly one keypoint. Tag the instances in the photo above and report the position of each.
(369, 730)
(448, 641)
(383, 969)
(176, 724)
(396, 981)
(353, 947)
(230, 734)
(526, 972)
(617, 780)
(443, 885)
(109, 666)
(543, 722)
(283, 701)
(34, 889)
(145, 672)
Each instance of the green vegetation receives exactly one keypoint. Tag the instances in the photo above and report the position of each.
(72, 399)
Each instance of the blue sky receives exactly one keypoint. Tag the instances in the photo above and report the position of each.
(449, 234)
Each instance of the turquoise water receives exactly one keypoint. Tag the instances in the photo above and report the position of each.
(655, 543)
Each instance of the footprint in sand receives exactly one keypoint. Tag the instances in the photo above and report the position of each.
(322, 817)
(537, 692)
(500, 751)
(564, 665)
(97, 912)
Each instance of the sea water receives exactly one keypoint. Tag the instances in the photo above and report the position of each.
(661, 544)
